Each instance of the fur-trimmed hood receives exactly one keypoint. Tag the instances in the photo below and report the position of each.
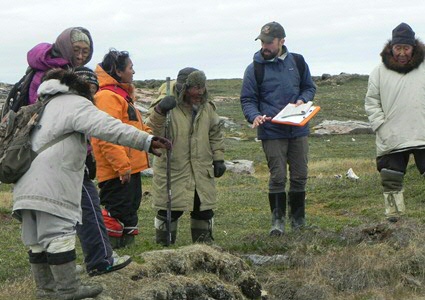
(64, 81)
(417, 58)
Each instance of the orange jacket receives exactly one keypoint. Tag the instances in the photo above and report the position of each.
(114, 160)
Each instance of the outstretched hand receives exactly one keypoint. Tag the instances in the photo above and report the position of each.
(157, 143)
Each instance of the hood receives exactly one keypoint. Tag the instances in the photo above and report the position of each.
(417, 58)
(63, 82)
(106, 79)
(63, 45)
(40, 58)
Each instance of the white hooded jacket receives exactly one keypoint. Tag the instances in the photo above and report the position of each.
(53, 183)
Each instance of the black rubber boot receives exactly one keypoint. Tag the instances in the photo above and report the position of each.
(297, 209)
(161, 232)
(202, 230)
(278, 209)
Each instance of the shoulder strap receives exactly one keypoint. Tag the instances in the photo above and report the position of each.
(258, 72)
(54, 141)
(300, 62)
(118, 90)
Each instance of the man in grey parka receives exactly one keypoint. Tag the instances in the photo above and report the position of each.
(197, 157)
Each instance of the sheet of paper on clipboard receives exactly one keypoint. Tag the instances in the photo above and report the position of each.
(299, 119)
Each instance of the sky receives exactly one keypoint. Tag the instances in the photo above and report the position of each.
(216, 36)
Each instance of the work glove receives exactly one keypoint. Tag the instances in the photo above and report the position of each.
(166, 104)
(158, 142)
(219, 168)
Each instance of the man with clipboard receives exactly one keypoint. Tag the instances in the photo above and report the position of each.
(274, 79)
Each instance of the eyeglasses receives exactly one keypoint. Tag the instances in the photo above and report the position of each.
(84, 52)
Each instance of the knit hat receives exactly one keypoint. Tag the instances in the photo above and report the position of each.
(79, 36)
(87, 75)
(403, 34)
(270, 31)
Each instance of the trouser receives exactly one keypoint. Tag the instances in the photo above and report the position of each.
(201, 224)
(398, 161)
(92, 233)
(43, 230)
(281, 153)
(122, 201)
(194, 214)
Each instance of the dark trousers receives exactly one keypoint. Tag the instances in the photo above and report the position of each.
(398, 161)
(287, 153)
(92, 233)
(122, 201)
(194, 214)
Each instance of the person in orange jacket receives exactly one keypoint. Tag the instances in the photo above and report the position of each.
(118, 168)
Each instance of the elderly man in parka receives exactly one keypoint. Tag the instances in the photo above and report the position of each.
(197, 156)
(395, 107)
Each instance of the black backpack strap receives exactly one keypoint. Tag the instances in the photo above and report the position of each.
(258, 73)
(300, 62)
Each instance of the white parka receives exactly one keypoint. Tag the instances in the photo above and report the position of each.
(395, 103)
(53, 183)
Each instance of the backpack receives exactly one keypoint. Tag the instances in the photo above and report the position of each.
(19, 94)
(16, 152)
(259, 68)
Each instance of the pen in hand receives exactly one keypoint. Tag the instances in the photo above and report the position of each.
(259, 120)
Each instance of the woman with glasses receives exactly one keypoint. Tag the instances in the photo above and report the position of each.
(117, 167)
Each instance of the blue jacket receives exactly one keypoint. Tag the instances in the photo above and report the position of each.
(282, 84)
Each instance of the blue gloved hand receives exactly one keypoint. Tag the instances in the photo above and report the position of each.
(219, 168)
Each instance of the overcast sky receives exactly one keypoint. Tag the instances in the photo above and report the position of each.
(216, 36)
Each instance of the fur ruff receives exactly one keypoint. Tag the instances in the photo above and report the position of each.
(76, 84)
(417, 58)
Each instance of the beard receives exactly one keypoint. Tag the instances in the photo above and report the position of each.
(267, 54)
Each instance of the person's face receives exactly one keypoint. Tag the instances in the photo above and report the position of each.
(194, 94)
(81, 52)
(402, 53)
(272, 49)
(127, 75)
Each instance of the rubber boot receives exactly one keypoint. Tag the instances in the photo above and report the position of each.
(394, 205)
(202, 230)
(129, 235)
(69, 286)
(44, 282)
(392, 182)
(278, 209)
(162, 233)
(297, 209)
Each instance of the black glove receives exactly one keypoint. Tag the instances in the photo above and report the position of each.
(159, 142)
(219, 168)
(166, 104)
